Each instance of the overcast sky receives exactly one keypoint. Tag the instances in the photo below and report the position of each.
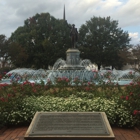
(126, 12)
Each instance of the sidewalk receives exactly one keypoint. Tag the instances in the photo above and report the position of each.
(17, 133)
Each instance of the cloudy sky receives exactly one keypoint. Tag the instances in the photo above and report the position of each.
(126, 12)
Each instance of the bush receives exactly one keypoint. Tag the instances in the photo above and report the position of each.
(23, 114)
(130, 99)
(19, 102)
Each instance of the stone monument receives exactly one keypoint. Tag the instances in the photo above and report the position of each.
(73, 54)
(69, 125)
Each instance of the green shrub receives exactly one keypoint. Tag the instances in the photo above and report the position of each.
(117, 114)
(19, 102)
(130, 99)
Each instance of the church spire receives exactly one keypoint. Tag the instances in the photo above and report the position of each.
(64, 14)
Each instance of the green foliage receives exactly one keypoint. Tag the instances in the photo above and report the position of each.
(4, 70)
(101, 40)
(4, 46)
(131, 99)
(136, 54)
(117, 114)
(19, 102)
(17, 54)
(44, 39)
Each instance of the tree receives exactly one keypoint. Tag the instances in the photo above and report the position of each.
(17, 55)
(126, 56)
(136, 55)
(44, 39)
(4, 45)
(101, 40)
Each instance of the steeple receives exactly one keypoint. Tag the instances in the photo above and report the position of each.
(64, 14)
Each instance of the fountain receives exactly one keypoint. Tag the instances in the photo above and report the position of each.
(73, 68)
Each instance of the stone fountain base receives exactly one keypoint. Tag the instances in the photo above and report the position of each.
(72, 60)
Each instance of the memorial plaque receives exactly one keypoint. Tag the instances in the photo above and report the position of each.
(68, 125)
(72, 124)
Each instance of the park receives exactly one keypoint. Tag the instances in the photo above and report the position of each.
(68, 86)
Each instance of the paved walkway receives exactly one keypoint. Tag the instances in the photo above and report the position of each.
(17, 133)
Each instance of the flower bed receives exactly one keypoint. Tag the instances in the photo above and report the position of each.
(19, 102)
